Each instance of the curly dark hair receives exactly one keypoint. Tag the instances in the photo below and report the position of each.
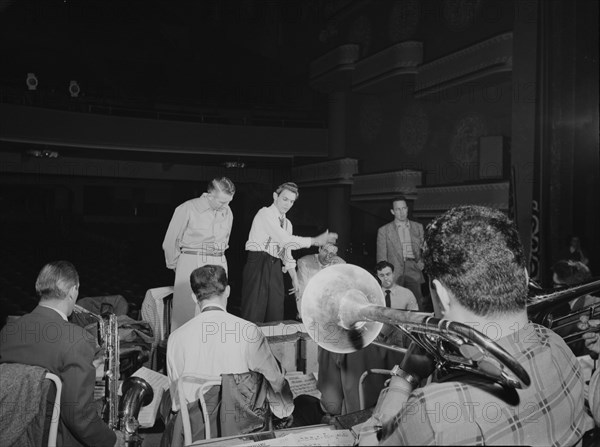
(476, 253)
(208, 281)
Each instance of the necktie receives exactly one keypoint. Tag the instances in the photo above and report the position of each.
(388, 299)
(281, 221)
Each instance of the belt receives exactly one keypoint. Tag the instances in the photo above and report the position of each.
(410, 259)
(200, 252)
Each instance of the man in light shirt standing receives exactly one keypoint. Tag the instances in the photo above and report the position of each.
(197, 235)
(270, 244)
(399, 242)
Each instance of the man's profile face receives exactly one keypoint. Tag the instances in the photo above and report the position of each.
(386, 276)
(327, 253)
(218, 199)
(284, 200)
(400, 210)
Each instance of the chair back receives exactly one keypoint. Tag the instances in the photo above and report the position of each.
(25, 397)
(156, 311)
(56, 409)
(205, 383)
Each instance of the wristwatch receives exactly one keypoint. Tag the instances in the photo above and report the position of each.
(399, 372)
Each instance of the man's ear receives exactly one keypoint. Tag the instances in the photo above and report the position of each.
(392, 211)
(274, 196)
(74, 292)
(443, 296)
(227, 291)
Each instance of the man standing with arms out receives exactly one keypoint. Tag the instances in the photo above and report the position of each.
(45, 338)
(197, 235)
(476, 265)
(270, 244)
(310, 265)
(399, 243)
(396, 297)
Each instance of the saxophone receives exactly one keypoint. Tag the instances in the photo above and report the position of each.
(119, 414)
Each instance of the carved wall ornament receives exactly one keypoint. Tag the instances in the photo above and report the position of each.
(404, 20)
(413, 130)
(460, 14)
(465, 138)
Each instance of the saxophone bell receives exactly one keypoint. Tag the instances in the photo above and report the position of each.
(137, 393)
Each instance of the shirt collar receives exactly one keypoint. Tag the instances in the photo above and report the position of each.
(203, 205)
(62, 314)
(276, 212)
(212, 304)
(403, 224)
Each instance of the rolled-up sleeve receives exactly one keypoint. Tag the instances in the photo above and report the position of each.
(173, 236)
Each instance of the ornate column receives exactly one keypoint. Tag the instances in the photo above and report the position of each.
(332, 73)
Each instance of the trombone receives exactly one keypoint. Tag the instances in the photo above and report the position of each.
(550, 309)
(343, 310)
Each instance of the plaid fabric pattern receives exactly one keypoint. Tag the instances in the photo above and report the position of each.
(473, 412)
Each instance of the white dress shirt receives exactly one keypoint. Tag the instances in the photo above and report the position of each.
(216, 342)
(401, 298)
(267, 234)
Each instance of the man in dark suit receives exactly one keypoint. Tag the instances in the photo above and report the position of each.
(399, 242)
(45, 338)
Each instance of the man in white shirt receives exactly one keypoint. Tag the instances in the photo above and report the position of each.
(270, 244)
(396, 297)
(215, 342)
(198, 234)
(310, 265)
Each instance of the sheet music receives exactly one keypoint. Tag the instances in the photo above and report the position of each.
(313, 437)
(282, 329)
(303, 384)
(159, 383)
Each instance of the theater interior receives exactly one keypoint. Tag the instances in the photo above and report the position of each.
(114, 113)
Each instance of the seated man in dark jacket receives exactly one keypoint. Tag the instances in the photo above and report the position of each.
(45, 338)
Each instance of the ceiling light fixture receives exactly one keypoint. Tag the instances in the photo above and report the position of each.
(234, 164)
(31, 81)
(74, 89)
(45, 153)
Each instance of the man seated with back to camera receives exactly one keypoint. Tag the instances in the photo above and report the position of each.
(216, 342)
(476, 266)
(46, 338)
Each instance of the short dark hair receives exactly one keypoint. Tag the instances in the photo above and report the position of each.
(208, 281)
(55, 280)
(571, 272)
(476, 253)
(290, 186)
(383, 264)
(222, 184)
(398, 198)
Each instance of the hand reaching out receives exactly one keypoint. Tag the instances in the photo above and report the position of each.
(325, 238)
(592, 338)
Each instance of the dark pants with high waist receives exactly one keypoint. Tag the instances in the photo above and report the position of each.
(262, 288)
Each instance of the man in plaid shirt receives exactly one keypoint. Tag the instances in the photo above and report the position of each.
(476, 266)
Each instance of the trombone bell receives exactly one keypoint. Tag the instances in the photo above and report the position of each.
(331, 306)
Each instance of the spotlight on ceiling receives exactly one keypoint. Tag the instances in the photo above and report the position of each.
(31, 81)
(234, 164)
(44, 153)
(74, 89)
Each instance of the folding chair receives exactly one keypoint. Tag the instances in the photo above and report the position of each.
(56, 409)
(206, 383)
